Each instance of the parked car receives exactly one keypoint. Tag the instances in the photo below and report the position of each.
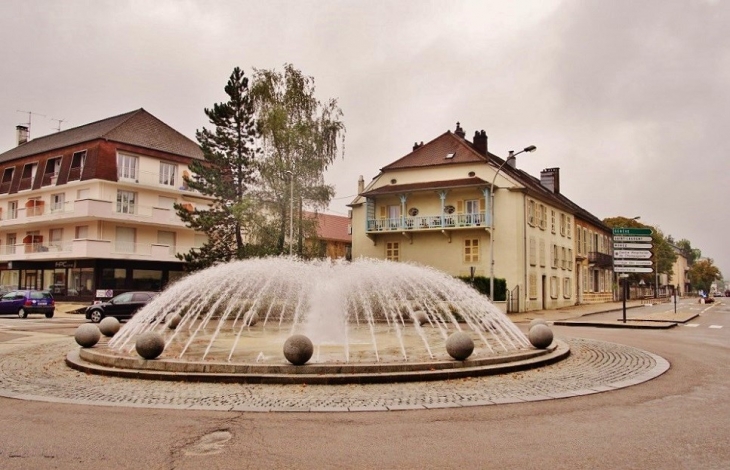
(26, 301)
(121, 307)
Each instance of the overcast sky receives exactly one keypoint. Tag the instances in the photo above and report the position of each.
(629, 99)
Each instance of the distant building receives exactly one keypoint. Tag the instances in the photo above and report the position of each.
(334, 236)
(88, 212)
(432, 206)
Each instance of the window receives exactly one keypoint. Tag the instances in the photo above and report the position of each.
(471, 250)
(7, 179)
(126, 167)
(78, 160)
(165, 202)
(394, 216)
(392, 251)
(12, 209)
(81, 232)
(570, 259)
(531, 213)
(554, 287)
(542, 253)
(533, 251)
(53, 168)
(566, 288)
(57, 202)
(125, 240)
(552, 221)
(167, 173)
(563, 258)
(585, 279)
(28, 176)
(568, 229)
(55, 238)
(554, 249)
(543, 217)
(34, 207)
(533, 286)
(562, 224)
(167, 238)
(585, 241)
(579, 238)
(10, 241)
(471, 208)
(126, 202)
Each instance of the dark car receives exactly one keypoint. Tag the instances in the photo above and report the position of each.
(26, 301)
(121, 307)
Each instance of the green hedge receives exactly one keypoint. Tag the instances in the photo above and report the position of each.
(481, 284)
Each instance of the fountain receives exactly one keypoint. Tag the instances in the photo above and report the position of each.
(369, 320)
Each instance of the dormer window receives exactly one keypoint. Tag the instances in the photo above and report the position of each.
(7, 179)
(53, 168)
(78, 160)
(28, 176)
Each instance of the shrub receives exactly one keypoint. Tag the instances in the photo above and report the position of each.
(481, 284)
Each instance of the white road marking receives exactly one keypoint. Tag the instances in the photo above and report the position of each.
(692, 325)
(715, 326)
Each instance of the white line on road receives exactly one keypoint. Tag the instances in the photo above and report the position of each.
(716, 326)
(692, 325)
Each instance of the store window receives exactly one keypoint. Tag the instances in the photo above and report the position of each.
(81, 281)
(113, 278)
(146, 279)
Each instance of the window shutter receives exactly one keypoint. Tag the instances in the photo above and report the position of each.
(383, 213)
(460, 207)
(482, 205)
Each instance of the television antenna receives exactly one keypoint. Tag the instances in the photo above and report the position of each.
(30, 115)
(59, 121)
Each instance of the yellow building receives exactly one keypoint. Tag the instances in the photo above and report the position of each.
(433, 207)
(680, 273)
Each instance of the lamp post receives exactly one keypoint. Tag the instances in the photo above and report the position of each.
(291, 211)
(512, 155)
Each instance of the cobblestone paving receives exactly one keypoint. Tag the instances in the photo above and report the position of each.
(38, 372)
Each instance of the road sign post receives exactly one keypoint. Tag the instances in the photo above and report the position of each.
(631, 254)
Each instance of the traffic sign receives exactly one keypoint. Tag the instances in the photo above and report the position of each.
(632, 231)
(631, 238)
(631, 269)
(633, 262)
(643, 246)
(632, 254)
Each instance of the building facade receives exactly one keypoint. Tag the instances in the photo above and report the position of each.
(433, 207)
(88, 212)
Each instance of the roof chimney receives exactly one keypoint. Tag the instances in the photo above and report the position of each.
(459, 131)
(22, 133)
(360, 185)
(415, 146)
(550, 178)
(480, 142)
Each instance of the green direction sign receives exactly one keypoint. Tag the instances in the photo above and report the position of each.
(632, 231)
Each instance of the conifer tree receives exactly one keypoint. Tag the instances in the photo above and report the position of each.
(225, 174)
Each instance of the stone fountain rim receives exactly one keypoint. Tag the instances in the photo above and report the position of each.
(97, 360)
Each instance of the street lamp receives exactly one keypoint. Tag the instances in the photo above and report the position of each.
(512, 155)
(291, 211)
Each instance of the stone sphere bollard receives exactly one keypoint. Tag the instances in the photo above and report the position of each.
(420, 317)
(109, 326)
(298, 349)
(173, 321)
(459, 346)
(150, 345)
(253, 320)
(541, 336)
(537, 321)
(87, 335)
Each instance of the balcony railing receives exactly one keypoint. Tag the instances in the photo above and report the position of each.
(426, 222)
(91, 248)
(602, 260)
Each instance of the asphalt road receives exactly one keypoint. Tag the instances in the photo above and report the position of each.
(676, 421)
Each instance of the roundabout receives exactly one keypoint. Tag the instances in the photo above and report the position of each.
(39, 373)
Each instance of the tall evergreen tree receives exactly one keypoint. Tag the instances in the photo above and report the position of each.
(225, 174)
(300, 138)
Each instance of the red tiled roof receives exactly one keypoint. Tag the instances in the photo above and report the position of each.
(331, 227)
(137, 127)
(430, 185)
(435, 152)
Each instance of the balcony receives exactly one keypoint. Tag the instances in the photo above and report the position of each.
(429, 222)
(88, 248)
(84, 209)
(602, 260)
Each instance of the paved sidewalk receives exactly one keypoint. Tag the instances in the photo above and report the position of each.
(580, 315)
